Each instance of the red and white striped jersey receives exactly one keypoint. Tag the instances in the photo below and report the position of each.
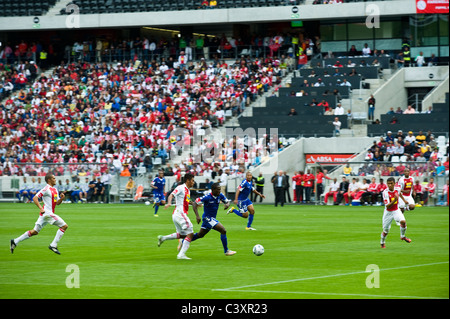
(406, 185)
(49, 196)
(182, 196)
(387, 198)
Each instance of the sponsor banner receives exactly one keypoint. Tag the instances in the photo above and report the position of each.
(432, 6)
(327, 158)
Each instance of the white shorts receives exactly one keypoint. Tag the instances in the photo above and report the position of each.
(182, 223)
(51, 219)
(389, 216)
(409, 199)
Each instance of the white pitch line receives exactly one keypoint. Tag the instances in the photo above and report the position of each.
(339, 294)
(327, 276)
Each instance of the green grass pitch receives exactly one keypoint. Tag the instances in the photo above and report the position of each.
(311, 252)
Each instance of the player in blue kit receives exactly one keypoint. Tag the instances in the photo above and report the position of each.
(244, 204)
(158, 185)
(211, 204)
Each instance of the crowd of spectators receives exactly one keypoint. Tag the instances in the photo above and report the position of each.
(122, 113)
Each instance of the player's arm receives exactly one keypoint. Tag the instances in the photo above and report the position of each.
(195, 204)
(61, 198)
(258, 193)
(38, 204)
(169, 201)
(238, 191)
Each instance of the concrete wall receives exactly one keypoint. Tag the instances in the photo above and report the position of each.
(425, 76)
(235, 15)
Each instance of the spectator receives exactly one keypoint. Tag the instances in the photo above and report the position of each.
(420, 59)
(292, 112)
(444, 195)
(371, 106)
(347, 170)
(366, 50)
(339, 110)
(410, 138)
(409, 110)
(337, 127)
(420, 138)
(130, 187)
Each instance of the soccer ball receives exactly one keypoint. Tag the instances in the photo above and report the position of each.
(147, 203)
(258, 250)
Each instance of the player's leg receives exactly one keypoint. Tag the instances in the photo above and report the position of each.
(400, 219)
(240, 212)
(62, 227)
(251, 210)
(28, 234)
(223, 238)
(200, 234)
(387, 220)
(176, 235)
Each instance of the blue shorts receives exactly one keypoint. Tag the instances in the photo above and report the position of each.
(75, 193)
(243, 204)
(158, 197)
(209, 222)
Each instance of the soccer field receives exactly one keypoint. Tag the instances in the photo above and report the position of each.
(310, 252)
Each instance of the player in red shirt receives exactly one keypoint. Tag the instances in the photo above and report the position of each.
(418, 190)
(308, 179)
(381, 187)
(430, 190)
(372, 191)
(392, 212)
(298, 179)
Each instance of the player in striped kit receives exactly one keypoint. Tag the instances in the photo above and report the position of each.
(183, 226)
(391, 197)
(50, 197)
(406, 185)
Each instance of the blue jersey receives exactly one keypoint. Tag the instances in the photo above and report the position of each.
(159, 182)
(245, 188)
(211, 204)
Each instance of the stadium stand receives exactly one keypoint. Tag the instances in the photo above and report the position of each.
(437, 119)
(25, 7)
(117, 6)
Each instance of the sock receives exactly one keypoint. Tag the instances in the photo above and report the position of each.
(237, 212)
(156, 208)
(185, 246)
(26, 235)
(402, 232)
(171, 236)
(58, 236)
(224, 240)
(250, 220)
(195, 237)
(383, 237)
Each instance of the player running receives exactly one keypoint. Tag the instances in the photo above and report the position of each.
(406, 185)
(391, 197)
(158, 185)
(244, 204)
(50, 197)
(179, 216)
(211, 204)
